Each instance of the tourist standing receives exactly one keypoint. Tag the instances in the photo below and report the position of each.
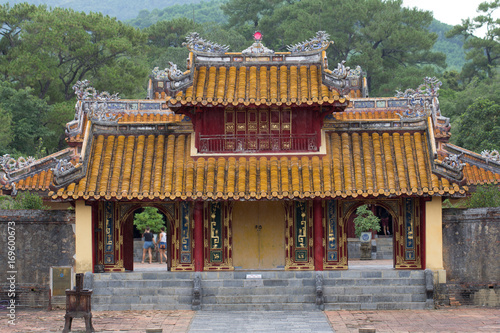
(163, 245)
(149, 243)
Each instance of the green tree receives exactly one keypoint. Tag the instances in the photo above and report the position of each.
(240, 12)
(365, 221)
(11, 20)
(165, 39)
(29, 115)
(452, 47)
(5, 130)
(478, 128)
(203, 12)
(483, 52)
(60, 46)
(150, 217)
(381, 36)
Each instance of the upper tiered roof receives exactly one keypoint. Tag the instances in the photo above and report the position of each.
(142, 150)
(257, 76)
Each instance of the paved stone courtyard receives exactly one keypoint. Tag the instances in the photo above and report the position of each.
(443, 320)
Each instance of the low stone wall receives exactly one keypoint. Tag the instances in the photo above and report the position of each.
(471, 255)
(42, 238)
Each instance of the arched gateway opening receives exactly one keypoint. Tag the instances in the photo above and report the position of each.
(382, 242)
(132, 237)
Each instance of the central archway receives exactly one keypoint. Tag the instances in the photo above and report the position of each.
(127, 232)
(383, 241)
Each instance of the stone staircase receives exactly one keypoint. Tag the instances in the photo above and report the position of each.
(384, 248)
(377, 290)
(354, 289)
(149, 290)
(266, 290)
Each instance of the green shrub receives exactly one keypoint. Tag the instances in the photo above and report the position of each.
(151, 218)
(365, 221)
(25, 200)
(485, 196)
(6, 202)
(28, 200)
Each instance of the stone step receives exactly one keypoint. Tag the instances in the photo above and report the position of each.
(143, 284)
(377, 306)
(372, 282)
(374, 290)
(353, 289)
(227, 291)
(366, 298)
(372, 274)
(250, 299)
(258, 283)
(140, 307)
(260, 307)
(163, 275)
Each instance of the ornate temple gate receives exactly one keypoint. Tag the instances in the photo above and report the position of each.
(113, 234)
(408, 216)
(257, 234)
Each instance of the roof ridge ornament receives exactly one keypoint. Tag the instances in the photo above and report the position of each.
(10, 164)
(63, 167)
(318, 42)
(429, 88)
(420, 99)
(492, 155)
(257, 48)
(84, 91)
(197, 44)
(418, 107)
(170, 74)
(453, 161)
(341, 72)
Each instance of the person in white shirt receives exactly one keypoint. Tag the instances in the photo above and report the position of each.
(163, 245)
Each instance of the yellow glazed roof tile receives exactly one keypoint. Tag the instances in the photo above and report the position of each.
(264, 85)
(366, 164)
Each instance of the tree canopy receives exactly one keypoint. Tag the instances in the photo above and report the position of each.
(381, 36)
(483, 52)
(59, 47)
(44, 51)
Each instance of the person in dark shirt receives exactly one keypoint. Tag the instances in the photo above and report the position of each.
(149, 243)
(384, 219)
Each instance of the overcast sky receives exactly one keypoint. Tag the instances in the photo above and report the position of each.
(447, 11)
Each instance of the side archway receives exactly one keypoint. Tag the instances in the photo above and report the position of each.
(127, 227)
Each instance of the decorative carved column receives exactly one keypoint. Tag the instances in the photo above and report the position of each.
(198, 236)
(318, 235)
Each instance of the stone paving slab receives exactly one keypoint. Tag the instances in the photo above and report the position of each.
(103, 321)
(260, 321)
(463, 319)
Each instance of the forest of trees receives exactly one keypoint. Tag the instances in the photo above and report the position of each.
(44, 51)
(121, 9)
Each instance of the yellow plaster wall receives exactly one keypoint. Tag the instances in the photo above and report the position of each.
(434, 234)
(83, 238)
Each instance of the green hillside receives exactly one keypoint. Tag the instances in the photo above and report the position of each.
(121, 9)
(202, 12)
(142, 14)
(452, 47)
